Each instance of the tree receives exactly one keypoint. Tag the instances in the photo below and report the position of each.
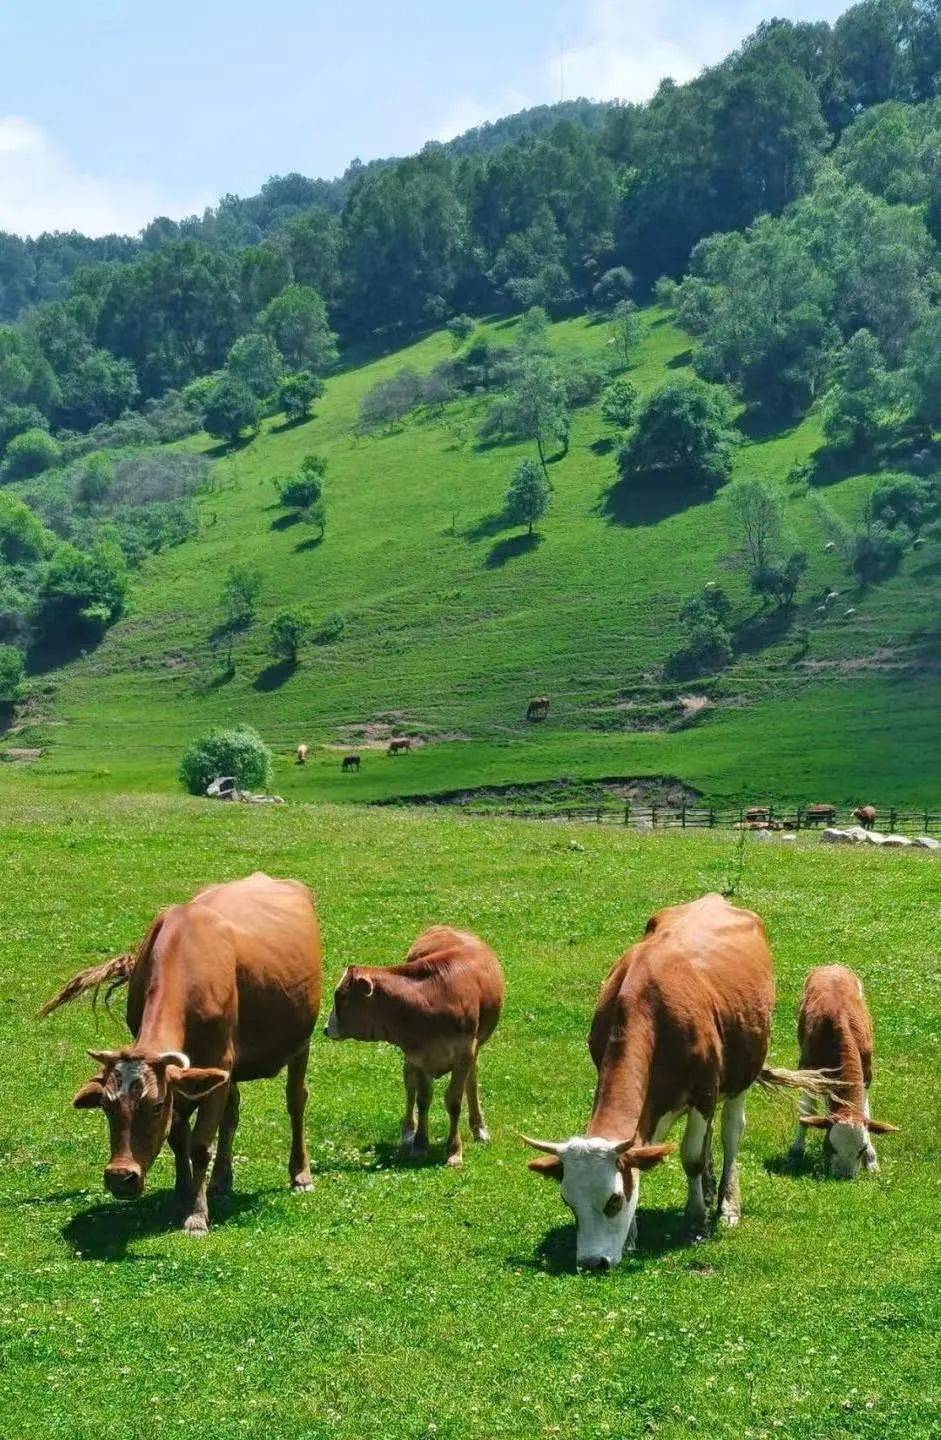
(532, 332)
(924, 368)
(239, 597)
(82, 591)
(460, 328)
(708, 644)
(30, 453)
(286, 635)
(615, 285)
(685, 431)
(296, 320)
(778, 580)
(230, 408)
(529, 494)
(904, 500)
(756, 516)
(96, 480)
(304, 491)
(298, 392)
(239, 752)
(24, 539)
(389, 401)
(618, 404)
(12, 670)
(625, 329)
(535, 408)
(878, 550)
(94, 390)
(256, 361)
(857, 408)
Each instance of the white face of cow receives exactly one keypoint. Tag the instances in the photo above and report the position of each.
(848, 1147)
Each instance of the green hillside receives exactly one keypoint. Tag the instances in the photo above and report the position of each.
(452, 621)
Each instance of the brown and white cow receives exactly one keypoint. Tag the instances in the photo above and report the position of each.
(302, 754)
(683, 1023)
(866, 815)
(835, 1034)
(438, 1008)
(225, 988)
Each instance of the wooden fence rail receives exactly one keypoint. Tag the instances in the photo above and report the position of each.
(890, 821)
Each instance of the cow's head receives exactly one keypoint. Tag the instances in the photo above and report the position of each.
(136, 1092)
(847, 1146)
(353, 1016)
(600, 1186)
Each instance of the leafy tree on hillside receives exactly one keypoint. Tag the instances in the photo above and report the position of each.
(304, 491)
(858, 408)
(239, 598)
(389, 401)
(296, 320)
(460, 328)
(24, 539)
(96, 388)
(535, 408)
(924, 369)
(618, 404)
(615, 285)
(255, 360)
(230, 409)
(904, 500)
(311, 243)
(625, 330)
(685, 430)
(239, 752)
(708, 644)
(756, 516)
(286, 635)
(298, 392)
(529, 494)
(12, 670)
(96, 481)
(30, 453)
(778, 579)
(82, 591)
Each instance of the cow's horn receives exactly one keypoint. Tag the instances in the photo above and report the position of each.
(548, 1147)
(105, 1057)
(175, 1057)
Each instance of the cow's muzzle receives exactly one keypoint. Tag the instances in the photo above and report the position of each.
(598, 1264)
(124, 1180)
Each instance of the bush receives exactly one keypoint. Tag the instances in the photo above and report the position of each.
(684, 431)
(30, 453)
(230, 408)
(240, 752)
(12, 670)
(82, 591)
(460, 328)
(329, 629)
(903, 500)
(778, 579)
(286, 635)
(14, 419)
(304, 491)
(708, 648)
(529, 494)
(878, 550)
(298, 392)
(665, 292)
(618, 404)
(613, 286)
(584, 377)
(240, 593)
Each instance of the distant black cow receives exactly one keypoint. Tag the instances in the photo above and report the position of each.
(350, 762)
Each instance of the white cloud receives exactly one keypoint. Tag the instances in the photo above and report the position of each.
(467, 112)
(41, 189)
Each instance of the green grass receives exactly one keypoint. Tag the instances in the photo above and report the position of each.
(403, 1301)
(448, 632)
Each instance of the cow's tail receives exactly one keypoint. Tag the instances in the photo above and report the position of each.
(113, 973)
(814, 1082)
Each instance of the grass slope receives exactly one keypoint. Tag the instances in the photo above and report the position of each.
(401, 1300)
(453, 621)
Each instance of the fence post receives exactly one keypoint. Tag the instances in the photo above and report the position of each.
(799, 813)
(683, 815)
(892, 820)
(653, 817)
(598, 815)
(627, 812)
(712, 818)
(926, 822)
(741, 817)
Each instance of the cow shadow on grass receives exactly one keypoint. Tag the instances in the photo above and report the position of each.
(786, 1167)
(392, 1155)
(658, 1232)
(105, 1231)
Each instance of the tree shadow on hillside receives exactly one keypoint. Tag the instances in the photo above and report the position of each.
(50, 654)
(602, 446)
(486, 527)
(274, 676)
(228, 448)
(511, 548)
(658, 1232)
(313, 542)
(104, 1231)
(680, 361)
(286, 522)
(759, 423)
(647, 499)
(829, 467)
(761, 629)
(293, 424)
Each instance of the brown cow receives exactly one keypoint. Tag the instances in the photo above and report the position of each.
(399, 746)
(302, 754)
(538, 708)
(350, 762)
(817, 814)
(439, 1008)
(224, 988)
(866, 815)
(835, 1035)
(683, 1022)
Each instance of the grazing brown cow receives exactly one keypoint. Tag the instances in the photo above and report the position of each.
(438, 1008)
(302, 754)
(682, 1023)
(538, 708)
(350, 762)
(866, 815)
(398, 747)
(818, 814)
(835, 1035)
(224, 988)
(756, 814)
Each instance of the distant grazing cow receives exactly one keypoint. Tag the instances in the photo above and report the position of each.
(224, 988)
(818, 814)
(302, 753)
(682, 1022)
(538, 708)
(835, 1035)
(350, 762)
(866, 815)
(439, 1008)
(398, 747)
(756, 813)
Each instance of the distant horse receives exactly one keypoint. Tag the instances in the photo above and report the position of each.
(538, 708)
(302, 753)
(398, 747)
(350, 762)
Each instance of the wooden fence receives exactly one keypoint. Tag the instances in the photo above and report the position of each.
(890, 821)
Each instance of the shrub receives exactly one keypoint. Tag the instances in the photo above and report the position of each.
(230, 408)
(584, 377)
(778, 579)
(298, 392)
(613, 286)
(618, 404)
(330, 628)
(12, 670)
(304, 491)
(460, 328)
(708, 648)
(30, 453)
(240, 752)
(14, 419)
(878, 550)
(665, 292)
(388, 402)
(286, 635)
(529, 494)
(685, 431)
(82, 591)
(903, 500)
(240, 593)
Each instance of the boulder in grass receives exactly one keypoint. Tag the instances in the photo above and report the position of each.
(926, 842)
(832, 836)
(895, 842)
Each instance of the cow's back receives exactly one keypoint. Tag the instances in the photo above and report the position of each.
(833, 1006)
(458, 981)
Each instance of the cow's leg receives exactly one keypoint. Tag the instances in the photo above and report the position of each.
(733, 1127)
(708, 1169)
(208, 1119)
(474, 1112)
(299, 1163)
(870, 1159)
(179, 1138)
(221, 1182)
(692, 1154)
(806, 1105)
(453, 1098)
(410, 1076)
(425, 1088)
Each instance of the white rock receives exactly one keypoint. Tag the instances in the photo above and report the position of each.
(896, 842)
(836, 837)
(788, 836)
(927, 842)
(763, 835)
(874, 837)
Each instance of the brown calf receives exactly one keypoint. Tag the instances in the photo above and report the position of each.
(866, 815)
(683, 1023)
(224, 988)
(398, 747)
(835, 1035)
(538, 708)
(438, 1008)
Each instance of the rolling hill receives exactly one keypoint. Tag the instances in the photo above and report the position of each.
(452, 620)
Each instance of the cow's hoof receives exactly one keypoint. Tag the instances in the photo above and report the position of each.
(795, 1156)
(456, 1161)
(482, 1135)
(408, 1139)
(196, 1225)
(729, 1218)
(302, 1184)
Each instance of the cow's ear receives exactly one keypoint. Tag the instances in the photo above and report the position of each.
(644, 1157)
(815, 1122)
(90, 1095)
(548, 1166)
(880, 1127)
(196, 1082)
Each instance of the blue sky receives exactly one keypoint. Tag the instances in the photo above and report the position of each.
(112, 111)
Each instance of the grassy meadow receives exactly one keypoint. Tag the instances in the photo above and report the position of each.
(452, 620)
(403, 1300)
